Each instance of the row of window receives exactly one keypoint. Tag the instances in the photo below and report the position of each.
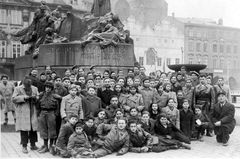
(159, 61)
(15, 16)
(15, 50)
(205, 47)
(212, 34)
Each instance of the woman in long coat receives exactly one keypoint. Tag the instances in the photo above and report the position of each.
(25, 97)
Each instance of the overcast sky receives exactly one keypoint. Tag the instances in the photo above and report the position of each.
(229, 10)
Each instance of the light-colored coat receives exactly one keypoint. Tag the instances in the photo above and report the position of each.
(24, 120)
(173, 115)
(135, 101)
(71, 106)
(6, 92)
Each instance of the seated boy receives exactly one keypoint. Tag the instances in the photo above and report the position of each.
(90, 129)
(66, 131)
(146, 123)
(78, 145)
(117, 140)
(202, 122)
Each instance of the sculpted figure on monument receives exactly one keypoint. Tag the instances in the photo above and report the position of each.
(101, 7)
(44, 24)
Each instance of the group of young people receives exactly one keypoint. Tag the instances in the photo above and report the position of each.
(93, 114)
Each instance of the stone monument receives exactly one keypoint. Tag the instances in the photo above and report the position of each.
(62, 42)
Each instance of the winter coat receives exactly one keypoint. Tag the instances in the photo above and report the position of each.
(225, 115)
(78, 144)
(71, 106)
(25, 117)
(139, 139)
(135, 101)
(173, 115)
(91, 105)
(187, 122)
(148, 96)
(161, 100)
(113, 141)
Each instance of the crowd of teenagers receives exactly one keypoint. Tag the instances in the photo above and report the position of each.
(92, 114)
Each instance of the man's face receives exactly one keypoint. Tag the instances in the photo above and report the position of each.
(130, 73)
(137, 81)
(142, 70)
(66, 83)
(136, 70)
(166, 80)
(221, 98)
(113, 74)
(91, 91)
(34, 73)
(146, 83)
(48, 89)
(58, 81)
(89, 123)
(121, 124)
(202, 80)
(107, 81)
(188, 83)
(4, 80)
(73, 91)
(121, 82)
(73, 120)
(185, 105)
(114, 101)
(133, 112)
(79, 130)
(163, 120)
(198, 111)
(220, 81)
(133, 127)
(81, 71)
(68, 73)
(102, 115)
(145, 117)
(82, 80)
(152, 84)
(173, 79)
(72, 78)
(180, 95)
(106, 75)
(129, 81)
(90, 83)
(179, 77)
(160, 89)
(118, 88)
(194, 76)
(119, 114)
(133, 90)
(53, 75)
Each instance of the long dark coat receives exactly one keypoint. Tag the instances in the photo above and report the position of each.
(186, 122)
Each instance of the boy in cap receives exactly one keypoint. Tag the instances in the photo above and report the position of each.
(47, 119)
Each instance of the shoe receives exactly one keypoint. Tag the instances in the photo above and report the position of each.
(52, 150)
(34, 147)
(209, 134)
(43, 150)
(200, 138)
(225, 144)
(24, 150)
(40, 149)
(186, 146)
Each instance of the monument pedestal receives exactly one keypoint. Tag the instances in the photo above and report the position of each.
(65, 55)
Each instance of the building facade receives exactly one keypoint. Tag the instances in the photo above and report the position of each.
(217, 46)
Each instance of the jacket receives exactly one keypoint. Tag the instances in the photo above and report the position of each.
(135, 100)
(64, 134)
(71, 106)
(91, 105)
(225, 115)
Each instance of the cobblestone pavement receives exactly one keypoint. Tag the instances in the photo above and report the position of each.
(10, 147)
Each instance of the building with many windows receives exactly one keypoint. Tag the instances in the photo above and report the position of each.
(211, 43)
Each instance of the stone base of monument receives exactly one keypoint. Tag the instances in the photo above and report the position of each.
(63, 56)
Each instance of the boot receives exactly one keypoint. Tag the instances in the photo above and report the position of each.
(209, 133)
(6, 121)
(24, 150)
(43, 149)
(185, 146)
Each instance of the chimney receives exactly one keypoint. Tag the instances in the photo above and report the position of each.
(220, 21)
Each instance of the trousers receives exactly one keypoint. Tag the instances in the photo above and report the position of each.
(28, 135)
